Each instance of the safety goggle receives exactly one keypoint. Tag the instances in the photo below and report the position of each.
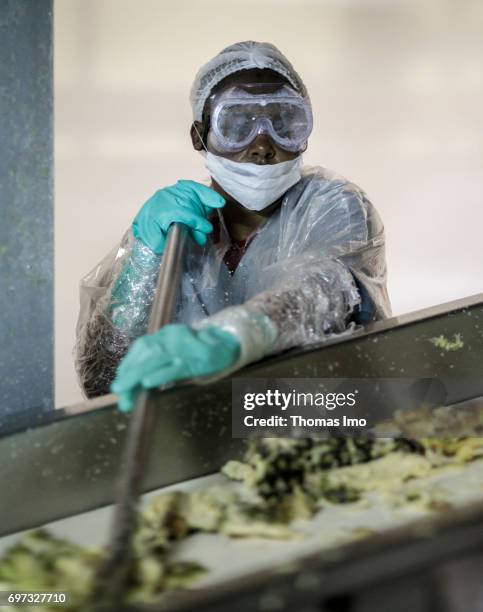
(238, 116)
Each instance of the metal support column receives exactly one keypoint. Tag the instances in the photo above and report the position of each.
(26, 206)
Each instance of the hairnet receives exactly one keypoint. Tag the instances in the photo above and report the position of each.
(240, 56)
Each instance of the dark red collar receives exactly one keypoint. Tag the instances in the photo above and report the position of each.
(236, 249)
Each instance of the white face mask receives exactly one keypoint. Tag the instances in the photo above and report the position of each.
(254, 186)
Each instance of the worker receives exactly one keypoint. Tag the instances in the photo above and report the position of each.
(279, 255)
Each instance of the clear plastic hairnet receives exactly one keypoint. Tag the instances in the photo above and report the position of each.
(316, 264)
(240, 56)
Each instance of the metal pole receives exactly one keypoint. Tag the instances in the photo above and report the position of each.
(112, 576)
(26, 208)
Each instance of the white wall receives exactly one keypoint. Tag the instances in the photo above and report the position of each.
(397, 92)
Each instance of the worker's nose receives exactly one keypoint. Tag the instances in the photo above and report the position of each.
(261, 150)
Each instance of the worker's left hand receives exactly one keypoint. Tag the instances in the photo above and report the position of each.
(176, 352)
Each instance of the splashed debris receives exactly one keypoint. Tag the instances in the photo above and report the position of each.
(280, 481)
(448, 345)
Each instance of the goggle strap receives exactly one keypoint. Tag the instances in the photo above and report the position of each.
(200, 137)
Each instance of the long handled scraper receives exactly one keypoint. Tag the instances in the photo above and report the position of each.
(112, 577)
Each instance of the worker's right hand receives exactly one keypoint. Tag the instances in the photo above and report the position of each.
(186, 202)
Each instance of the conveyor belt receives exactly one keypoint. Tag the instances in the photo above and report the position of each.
(67, 464)
(335, 525)
(67, 461)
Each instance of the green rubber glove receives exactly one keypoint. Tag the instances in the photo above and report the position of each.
(176, 352)
(186, 202)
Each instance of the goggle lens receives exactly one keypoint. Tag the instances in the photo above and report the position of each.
(236, 122)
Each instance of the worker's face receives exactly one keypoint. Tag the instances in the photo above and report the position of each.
(262, 149)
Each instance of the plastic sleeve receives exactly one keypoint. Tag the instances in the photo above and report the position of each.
(116, 297)
(314, 297)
